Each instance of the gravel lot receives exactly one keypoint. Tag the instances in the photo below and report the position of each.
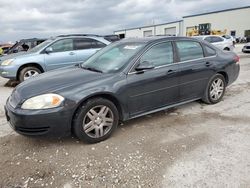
(194, 145)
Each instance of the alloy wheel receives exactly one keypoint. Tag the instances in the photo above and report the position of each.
(98, 121)
(30, 73)
(216, 89)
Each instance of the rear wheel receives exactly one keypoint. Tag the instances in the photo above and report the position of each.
(28, 72)
(96, 120)
(215, 89)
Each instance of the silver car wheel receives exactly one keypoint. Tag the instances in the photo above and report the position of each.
(217, 89)
(30, 74)
(98, 121)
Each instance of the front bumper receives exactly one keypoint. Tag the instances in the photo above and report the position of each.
(8, 72)
(50, 122)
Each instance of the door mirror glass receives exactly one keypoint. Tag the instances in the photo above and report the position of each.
(145, 65)
(48, 50)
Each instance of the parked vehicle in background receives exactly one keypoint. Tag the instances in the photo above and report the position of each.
(125, 80)
(54, 53)
(24, 45)
(112, 38)
(230, 38)
(218, 41)
(246, 48)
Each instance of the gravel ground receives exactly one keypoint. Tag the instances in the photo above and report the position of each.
(194, 145)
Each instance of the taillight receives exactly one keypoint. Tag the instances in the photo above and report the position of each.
(237, 59)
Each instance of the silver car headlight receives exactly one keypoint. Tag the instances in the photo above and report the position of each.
(7, 62)
(44, 101)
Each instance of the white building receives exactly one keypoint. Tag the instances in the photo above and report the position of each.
(235, 22)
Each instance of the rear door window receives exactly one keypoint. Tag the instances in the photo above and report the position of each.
(99, 44)
(208, 39)
(216, 39)
(189, 50)
(85, 43)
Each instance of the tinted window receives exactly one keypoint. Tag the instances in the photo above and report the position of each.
(99, 44)
(160, 54)
(81, 44)
(226, 36)
(209, 51)
(62, 45)
(189, 50)
(216, 39)
(208, 39)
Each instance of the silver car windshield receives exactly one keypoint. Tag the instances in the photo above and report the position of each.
(40, 46)
(113, 57)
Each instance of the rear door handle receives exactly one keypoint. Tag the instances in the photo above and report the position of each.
(71, 53)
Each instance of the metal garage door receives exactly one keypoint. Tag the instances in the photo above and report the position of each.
(147, 33)
(170, 31)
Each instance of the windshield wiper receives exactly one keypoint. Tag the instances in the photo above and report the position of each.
(91, 69)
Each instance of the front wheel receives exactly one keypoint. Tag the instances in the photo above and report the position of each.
(215, 89)
(28, 72)
(96, 120)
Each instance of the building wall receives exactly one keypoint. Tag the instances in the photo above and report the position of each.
(238, 20)
(156, 30)
(232, 20)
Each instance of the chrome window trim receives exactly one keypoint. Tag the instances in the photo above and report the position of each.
(170, 41)
(180, 62)
(197, 59)
(174, 63)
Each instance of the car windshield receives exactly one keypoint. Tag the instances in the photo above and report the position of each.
(40, 46)
(113, 57)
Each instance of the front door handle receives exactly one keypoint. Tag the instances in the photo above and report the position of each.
(208, 64)
(71, 53)
(171, 72)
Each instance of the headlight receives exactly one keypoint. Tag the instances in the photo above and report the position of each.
(7, 62)
(43, 102)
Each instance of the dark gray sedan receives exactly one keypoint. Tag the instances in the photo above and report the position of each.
(125, 80)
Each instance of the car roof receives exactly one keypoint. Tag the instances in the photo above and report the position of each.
(32, 39)
(155, 39)
(203, 36)
(99, 38)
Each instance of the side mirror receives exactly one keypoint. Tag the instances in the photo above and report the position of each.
(48, 50)
(145, 65)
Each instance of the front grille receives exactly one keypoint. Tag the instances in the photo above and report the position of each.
(247, 47)
(35, 131)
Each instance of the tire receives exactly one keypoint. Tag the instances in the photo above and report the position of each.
(210, 97)
(227, 49)
(28, 72)
(93, 127)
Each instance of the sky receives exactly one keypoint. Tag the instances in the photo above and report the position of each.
(44, 18)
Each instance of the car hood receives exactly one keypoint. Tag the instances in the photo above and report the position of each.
(14, 55)
(57, 81)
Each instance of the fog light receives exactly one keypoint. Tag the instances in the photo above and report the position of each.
(5, 72)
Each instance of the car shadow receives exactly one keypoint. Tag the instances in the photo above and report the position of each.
(11, 83)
